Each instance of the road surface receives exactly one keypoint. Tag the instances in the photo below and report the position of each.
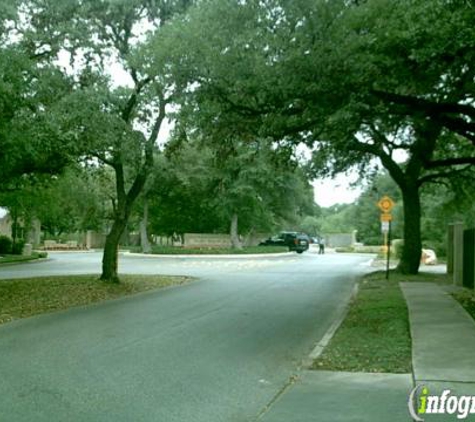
(219, 349)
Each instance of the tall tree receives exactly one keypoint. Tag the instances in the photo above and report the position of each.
(116, 123)
(327, 74)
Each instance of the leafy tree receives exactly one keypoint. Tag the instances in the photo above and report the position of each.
(311, 225)
(366, 215)
(180, 192)
(114, 124)
(203, 186)
(327, 74)
(30, 143)
(77, 200)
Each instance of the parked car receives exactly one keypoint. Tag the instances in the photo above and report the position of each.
(295, 241)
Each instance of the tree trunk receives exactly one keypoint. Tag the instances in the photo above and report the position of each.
(144, 243)
(412, 248)
(235, 242)
(110, 259)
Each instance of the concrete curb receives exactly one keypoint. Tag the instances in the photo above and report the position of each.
(27, 261)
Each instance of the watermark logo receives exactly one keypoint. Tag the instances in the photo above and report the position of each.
(422, 403)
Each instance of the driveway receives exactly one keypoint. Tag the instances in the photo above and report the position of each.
(219, 349)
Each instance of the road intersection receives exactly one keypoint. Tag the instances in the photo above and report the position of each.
(219, 349)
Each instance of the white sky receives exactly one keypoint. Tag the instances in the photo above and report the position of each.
(328, 192)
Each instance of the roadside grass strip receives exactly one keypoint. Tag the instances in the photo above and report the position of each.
(21, 298)
(11, 259)
(467, 299)
(375, 335)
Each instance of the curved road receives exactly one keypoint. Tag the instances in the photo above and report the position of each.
(218, 349)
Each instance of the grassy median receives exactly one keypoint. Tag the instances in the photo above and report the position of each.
(375, 335)
(22, 298)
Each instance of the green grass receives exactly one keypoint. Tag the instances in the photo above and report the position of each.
(171, 250)
(11, 259)
(467, 299)
(32, 296)
(375, 335)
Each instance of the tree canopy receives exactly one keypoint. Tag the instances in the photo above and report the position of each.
(356, 81)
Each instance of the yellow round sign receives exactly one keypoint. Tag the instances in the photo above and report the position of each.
(386, 204)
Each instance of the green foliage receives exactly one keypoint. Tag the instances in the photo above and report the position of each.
(76, 200)
(311, 225)
(444, 204)
(199, 184)
(5, 245)
(354, 80)
(337, 219)
(17, 247)
(366, 214)
(29, 142)
(396, 247)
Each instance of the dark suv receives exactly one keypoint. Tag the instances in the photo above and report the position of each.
(295, 241)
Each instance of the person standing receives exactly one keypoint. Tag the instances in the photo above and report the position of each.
(321, 246)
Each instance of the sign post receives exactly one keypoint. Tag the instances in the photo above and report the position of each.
(386, 204)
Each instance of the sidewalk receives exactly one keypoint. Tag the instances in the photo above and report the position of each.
(443, 343)
(443, 355)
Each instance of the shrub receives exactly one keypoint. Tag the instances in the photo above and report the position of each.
(17, 247)
(5, 245)
(437, 246)
(397, 246)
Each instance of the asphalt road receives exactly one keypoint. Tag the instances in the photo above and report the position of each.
(219, 349)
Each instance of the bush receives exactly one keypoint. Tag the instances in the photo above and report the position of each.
(345, 249)
(5, 245)
(437, 246)
(17, 247)
(397, 245)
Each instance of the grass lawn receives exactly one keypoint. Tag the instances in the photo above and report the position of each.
(175, 250)
(375, 335)
(32, 296)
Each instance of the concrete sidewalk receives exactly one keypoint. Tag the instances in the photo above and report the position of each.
(443, 355)
(443, 343)
(341, 396)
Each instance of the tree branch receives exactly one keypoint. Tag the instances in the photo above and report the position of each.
(441, 175)
(102, 157)
(389, 164)
(451, 115)
(431, 107)
(132, 101)
(450, 162)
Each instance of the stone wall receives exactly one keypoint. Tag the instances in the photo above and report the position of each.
(94, 240)
(203, 240)
(339, 240)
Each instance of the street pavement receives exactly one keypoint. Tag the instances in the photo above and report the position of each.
(218, 349)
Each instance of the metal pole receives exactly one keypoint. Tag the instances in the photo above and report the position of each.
(389, 251)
